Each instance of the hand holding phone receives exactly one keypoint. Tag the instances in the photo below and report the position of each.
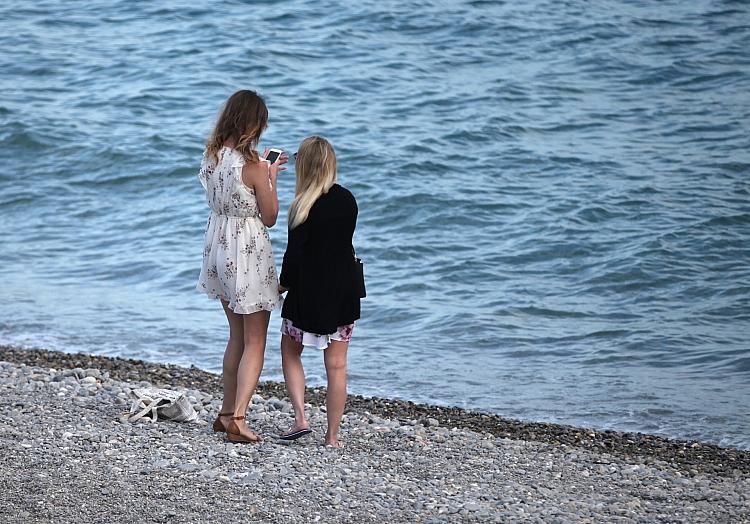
(273, 155)
(276, 158)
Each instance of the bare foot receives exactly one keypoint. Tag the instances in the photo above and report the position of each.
(237, 431)
(334, 443)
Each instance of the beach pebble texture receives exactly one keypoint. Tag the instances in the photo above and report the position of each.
(70, 455)
(689, 456)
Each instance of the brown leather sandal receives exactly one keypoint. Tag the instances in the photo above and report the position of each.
(219, 425)
(234, 435)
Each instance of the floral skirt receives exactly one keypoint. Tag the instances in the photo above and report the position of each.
(238, 265)
(342, 334)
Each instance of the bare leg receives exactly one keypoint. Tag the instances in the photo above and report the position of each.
(294, 376)
(232, 356)
(335, 361)
(255, 329)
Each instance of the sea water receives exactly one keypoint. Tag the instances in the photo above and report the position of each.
(554, 196)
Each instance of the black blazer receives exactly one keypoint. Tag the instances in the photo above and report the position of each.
(319, 267)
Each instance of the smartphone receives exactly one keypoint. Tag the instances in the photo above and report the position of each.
(273, 155)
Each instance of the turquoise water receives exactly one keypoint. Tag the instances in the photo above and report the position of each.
(554, 197)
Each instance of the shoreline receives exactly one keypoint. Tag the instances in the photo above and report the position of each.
(72, 455)
(691, 457)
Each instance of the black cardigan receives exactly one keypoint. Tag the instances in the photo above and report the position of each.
(319, 267)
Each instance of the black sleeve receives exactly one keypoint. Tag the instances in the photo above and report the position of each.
(354, 212)
(292, 256)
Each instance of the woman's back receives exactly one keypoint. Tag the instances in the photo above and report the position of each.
(226, 193)
(319, 267)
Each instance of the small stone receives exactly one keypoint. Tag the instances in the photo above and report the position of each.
(252, 477)
(188, 467)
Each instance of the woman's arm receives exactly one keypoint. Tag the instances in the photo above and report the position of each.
(262, 178)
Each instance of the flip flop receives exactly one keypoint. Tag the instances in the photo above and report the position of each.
(295, 434)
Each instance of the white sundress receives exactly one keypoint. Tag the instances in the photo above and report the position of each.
(238, 264)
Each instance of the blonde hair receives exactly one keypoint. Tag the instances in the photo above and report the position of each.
(316, 173)
(242, 120)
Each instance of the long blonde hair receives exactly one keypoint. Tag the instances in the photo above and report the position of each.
(316, 173)
(242, 121)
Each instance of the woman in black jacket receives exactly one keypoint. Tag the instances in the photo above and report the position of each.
(320, 276)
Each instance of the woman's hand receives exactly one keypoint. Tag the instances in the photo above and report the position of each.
(275, 168)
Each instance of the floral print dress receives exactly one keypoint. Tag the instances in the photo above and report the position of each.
(238, 264)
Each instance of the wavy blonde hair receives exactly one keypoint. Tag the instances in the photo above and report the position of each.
(242, 120)
(316, 173)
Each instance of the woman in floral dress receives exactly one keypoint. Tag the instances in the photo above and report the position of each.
(238, 265)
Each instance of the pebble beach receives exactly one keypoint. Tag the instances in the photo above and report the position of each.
(69, 454)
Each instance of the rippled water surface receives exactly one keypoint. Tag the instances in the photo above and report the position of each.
(554, 197)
